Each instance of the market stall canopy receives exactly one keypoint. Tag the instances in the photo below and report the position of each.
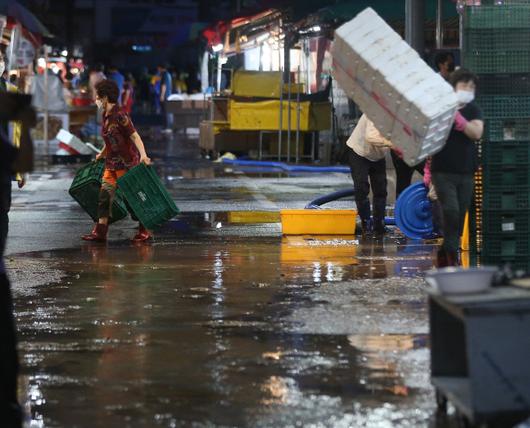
(215, 34)
(29, 21)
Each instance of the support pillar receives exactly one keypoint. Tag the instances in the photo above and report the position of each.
(415, 25)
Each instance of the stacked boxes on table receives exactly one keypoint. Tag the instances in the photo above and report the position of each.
(407, 101)
(497, 48)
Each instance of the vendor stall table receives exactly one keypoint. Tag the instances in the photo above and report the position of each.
(80, 115)
(187, 113)
(480, 354)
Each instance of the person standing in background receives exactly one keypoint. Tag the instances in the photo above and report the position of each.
(453, 168)
(114, 74)
(143, 90)
(127, 98)
(444, 63)
(367, 161)
(179, 82)
(166, 89)
(155, 92)
(96, 76)
(404, 172)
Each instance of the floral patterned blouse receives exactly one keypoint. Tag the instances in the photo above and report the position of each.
(116, 132)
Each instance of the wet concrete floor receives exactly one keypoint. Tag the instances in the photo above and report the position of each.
(229, 332)
(219, 322)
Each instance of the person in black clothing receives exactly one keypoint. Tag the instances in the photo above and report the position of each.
(453, 168)
(404, 172)
(12, 107)
(10, 411)
(5, 179)
(445, 64)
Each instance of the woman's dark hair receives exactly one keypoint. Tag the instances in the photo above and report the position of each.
(108, 88)
(442, 58)
(462, 75)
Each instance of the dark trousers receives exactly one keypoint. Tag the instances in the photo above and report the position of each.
(5, 205)
(363, 169)
(454, 194)
(404, 173)
(168, 117)
(10, 411)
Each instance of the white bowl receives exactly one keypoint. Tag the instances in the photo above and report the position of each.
(456, 280)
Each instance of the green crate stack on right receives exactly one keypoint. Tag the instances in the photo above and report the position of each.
(497, 48)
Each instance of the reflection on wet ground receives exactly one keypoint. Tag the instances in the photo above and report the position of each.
(220, 321)
(227, 331)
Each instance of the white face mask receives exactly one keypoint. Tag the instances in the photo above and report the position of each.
(99, 104)
(465, 97)
(2, 67)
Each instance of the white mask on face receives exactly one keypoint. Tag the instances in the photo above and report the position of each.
(2, 67)
(465, 97)
(99, 104)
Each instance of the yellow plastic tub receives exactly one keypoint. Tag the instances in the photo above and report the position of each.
(318, 222)
(253, 217)
(307, 250)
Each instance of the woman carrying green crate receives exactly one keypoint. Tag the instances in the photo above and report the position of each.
(123, 150)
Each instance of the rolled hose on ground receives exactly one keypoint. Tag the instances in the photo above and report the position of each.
(414, 212)
(316, 203)
(287, 167)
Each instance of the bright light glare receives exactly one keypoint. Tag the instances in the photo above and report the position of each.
(218, 47)
(263, 37)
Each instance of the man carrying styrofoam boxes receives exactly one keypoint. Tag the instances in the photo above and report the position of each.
(407, 101)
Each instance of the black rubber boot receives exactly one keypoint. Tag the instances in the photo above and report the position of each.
(364, 211)
(379, 227)
(441, 259)
(366, 227)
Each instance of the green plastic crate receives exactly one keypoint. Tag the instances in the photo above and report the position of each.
(509, 199)
(505, 245)
(501, 107)
(147, 196)
(485, 61)
(514, 15)
(505, 223)
(506, 153)
(85, 190)
(516, 262)
(502, 39)
(504, 84)
(505, 177)
(512, 129)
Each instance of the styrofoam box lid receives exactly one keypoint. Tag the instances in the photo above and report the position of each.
(367, 30)
(378, 48)
(64, 136)
(384, 61)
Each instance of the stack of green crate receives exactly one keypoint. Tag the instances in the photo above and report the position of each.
(497, 48)
(85, 190)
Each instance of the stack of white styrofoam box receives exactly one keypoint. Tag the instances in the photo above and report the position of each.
(408, 102)
(72, 141)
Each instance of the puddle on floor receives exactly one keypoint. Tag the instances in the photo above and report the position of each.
(213, 332)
